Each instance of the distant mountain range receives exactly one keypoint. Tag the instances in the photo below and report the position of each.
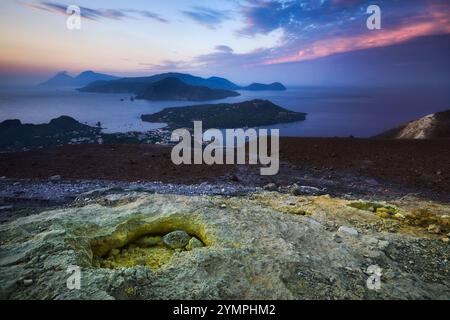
(137, 84)
(433, 126)
(63, 79)
(175, 89)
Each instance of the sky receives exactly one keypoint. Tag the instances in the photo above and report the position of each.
(302, 42)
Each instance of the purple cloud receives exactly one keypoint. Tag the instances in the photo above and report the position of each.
(209, 18)
(223, 48)
(97, 14)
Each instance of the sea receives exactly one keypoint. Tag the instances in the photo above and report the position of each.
(331, 111)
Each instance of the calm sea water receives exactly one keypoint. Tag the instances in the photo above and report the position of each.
(361, 112)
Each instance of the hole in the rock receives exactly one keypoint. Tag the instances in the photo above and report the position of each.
(152, 250)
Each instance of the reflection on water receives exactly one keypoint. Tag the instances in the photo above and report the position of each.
(360, 112)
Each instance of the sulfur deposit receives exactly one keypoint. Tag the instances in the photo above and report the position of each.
(266, 245)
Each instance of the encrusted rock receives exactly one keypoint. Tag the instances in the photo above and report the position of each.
(194, 243)
(348, 230)
(256, 239)
(177, 239)
(297, 190)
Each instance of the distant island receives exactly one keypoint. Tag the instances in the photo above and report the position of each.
(276, 86)
(252, 113)
(137, 84)
(63, 79)
(175, 89)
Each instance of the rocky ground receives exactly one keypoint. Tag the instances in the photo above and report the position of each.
(415, 166)
(317, 230)
(263, 245)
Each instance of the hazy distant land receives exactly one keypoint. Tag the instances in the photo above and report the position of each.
(137, 84)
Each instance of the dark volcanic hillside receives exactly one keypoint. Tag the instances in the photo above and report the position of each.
(14, 134)
(175, 89)
(224, 115)
(433, 126)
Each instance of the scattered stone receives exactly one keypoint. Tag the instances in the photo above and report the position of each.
(434, 228)
(290, 203)
(223, 206)
(55, 178)
(337, 238)
(297, 190)
(194, 243)
(270, 187)
(177, 239)
(348, 230)
(28, 282)
(382, 244)
(445, 240)
(399, 216)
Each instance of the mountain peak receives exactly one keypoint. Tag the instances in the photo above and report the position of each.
(87, 72)
(63, 78)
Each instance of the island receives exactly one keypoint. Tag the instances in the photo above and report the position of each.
(252, 113)
(137, 84)
(15, 135)
(175, 89)
(276, 86)
(18, 136)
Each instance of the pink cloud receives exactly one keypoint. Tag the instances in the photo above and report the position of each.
(370, 39)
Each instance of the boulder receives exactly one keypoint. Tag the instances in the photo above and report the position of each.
(348, 230)
(177, 239)
(194, 243)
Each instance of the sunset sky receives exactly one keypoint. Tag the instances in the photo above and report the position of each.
(298, 42)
